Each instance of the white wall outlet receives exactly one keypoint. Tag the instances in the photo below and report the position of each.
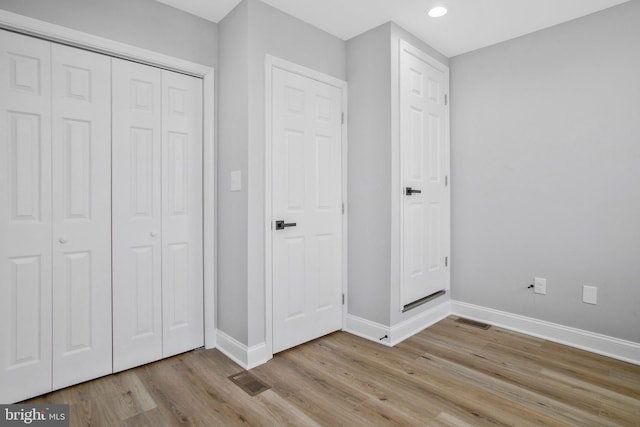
(540, 285)
(590, 294)
(235, 181)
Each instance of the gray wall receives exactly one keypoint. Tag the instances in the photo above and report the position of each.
(233, 95)
(251, 31)
(546, 173)
(369, 74)
(143, 23)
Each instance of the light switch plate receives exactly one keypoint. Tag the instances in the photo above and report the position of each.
(235, 181)
(540, 285)
(590, 295)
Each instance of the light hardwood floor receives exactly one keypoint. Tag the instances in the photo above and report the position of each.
(448, 375)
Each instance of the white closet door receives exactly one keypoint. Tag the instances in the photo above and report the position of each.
(182, 275)
(25, 217)
(424, 146)
(136, 151)
(81, 142)
(307, 195)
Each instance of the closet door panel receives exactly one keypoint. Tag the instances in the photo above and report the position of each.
(182, 274)
(25, 217)
(81, 141)
(137, 226)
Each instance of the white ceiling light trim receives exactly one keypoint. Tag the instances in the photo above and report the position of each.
(437, 12)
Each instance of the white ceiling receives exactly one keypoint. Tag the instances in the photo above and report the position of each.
(469, 25)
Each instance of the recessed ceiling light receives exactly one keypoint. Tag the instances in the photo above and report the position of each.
(437, 12)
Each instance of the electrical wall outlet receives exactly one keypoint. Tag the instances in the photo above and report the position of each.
(235, 181)
(590, 295)
(540, 285)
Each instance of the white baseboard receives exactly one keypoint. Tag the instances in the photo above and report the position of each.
(246, 357)
(616, 348)
(419, 322)
(627, 351)
(367, 329)
(397, 333)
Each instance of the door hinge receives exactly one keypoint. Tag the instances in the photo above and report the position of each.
(342, 299)
(446, 180)
(342, 118)
(446, 99)
(446, 261)
(342, 208)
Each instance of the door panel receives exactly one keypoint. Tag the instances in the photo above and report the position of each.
(25, 217)
(182, 269)
(307, 190)
(137, 226)
(81, 138)
(424, 146)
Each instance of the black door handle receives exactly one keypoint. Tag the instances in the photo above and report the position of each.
(409, 191)
(281, 225)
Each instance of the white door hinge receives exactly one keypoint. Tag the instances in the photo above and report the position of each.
(342, 208)
(446, 261)
(446, 180)
(446, 99)
(342, 299)
(342, 118)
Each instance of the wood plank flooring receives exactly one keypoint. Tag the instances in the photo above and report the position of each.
(448, 375)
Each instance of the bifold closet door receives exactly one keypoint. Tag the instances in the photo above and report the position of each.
(137, 210)
(55, 216)
(81, 188)
(182, 258)
(157, 214)
(25, 217)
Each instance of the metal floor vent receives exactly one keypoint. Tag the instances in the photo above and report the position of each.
(250, 384)
(473, 323)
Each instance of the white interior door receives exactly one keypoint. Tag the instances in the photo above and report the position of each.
(182, 273)
(25, 217)
(81, 141)
(136, 157)
(307, 192)
(424, 148)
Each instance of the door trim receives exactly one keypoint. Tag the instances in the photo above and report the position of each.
(272, 62)
(59, 34)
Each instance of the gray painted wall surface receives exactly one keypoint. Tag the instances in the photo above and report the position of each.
(546, 173)
(144, 23)
(369, 74)
(232, 211)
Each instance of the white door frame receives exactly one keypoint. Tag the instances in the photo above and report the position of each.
(272, 62)
(56, 33)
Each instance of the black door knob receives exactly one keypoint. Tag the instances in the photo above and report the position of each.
(281, 225)
(409, 191)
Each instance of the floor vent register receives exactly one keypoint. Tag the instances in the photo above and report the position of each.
(473, 323)
(250, 384)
